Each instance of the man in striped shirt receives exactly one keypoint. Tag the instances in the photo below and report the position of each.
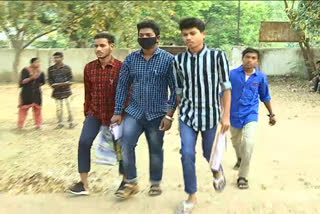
(60, 79)
(149, 70)
(200, 74)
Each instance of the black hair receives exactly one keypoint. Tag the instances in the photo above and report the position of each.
(149, 24)
(111, 39)
(58, 54)
(250, 50)
(33, 59)
(318, 62)
(189, 23)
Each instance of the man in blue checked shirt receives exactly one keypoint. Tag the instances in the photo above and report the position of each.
(249, 85)
(149, 71)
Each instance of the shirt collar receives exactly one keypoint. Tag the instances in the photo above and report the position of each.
(56, 66)
(204, 49)
(255, 72)
(155, 53)
(111, 63)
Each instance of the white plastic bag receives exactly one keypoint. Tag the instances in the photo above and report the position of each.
(105, 153)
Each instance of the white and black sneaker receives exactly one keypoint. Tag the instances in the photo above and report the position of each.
(78, 189)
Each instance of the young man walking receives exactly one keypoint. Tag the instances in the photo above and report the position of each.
(200, 74)
(60, 79)
(100, 82)
(149, 70)
(249, 85)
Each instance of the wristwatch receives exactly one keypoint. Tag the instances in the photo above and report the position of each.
(271, 115)
(169, 118)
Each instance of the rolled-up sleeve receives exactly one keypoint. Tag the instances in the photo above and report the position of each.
(172, 103)
(178, 77)
(224, 72)
(264, 90)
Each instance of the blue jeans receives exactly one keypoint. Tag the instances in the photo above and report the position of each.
(188, 153)
(90, 130)
(132, 130)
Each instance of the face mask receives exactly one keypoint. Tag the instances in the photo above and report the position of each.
(147, 43)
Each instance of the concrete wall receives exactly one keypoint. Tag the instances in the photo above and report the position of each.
(75, 58)
(276, 61)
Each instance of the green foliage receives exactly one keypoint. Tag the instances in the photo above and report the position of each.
(308, 19)
(22, 21)
(305, 17)
(78, 21)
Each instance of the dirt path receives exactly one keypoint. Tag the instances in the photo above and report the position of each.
(37, 166)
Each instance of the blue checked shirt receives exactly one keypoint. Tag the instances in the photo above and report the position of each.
(150, 81)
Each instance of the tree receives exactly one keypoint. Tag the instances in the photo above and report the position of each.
(25, 22)
(304, 18)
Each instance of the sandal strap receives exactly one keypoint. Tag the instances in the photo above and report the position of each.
(155, 187)
(242, 179)
(219, 180)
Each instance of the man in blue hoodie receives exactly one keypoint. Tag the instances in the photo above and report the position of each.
(249, 84)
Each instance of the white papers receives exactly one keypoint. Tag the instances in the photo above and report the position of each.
(62, 83)
(116, 130)
(218, 150)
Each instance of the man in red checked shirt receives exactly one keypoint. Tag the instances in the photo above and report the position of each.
(100, 81)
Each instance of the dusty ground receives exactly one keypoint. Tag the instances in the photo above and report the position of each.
(37, 166)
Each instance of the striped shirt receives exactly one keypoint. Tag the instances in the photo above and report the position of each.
(150, 81)
(59, 75)
(199, 78)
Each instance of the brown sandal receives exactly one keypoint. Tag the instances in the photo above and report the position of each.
(127, 191)
(155, 190)
(242, 183)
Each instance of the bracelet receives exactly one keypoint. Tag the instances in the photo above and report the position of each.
(271, 115)
(169, 118)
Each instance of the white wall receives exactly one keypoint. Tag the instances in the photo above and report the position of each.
(276, 61)
(75, 58)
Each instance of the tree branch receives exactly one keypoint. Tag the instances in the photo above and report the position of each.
(292, 4)
(286, 4)
(7, 31)
(40, 35)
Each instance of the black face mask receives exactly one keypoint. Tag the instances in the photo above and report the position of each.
(147, 43)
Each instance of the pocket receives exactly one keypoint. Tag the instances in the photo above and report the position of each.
(249, 95)
(113, 85)
(159, 74)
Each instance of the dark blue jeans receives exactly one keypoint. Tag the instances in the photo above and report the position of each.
(132, 130)
(89, 132)
(188, 153)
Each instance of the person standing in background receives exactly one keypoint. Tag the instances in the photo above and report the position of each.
(31, 96)
(60, 79)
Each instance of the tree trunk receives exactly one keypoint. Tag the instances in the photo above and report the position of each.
(308, 58)
(18, 48)
(15, 65)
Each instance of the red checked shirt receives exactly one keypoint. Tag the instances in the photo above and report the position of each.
(100, 89)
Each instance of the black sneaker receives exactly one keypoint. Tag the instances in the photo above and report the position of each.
(121, 187)
(78, 189)
(237, 165)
